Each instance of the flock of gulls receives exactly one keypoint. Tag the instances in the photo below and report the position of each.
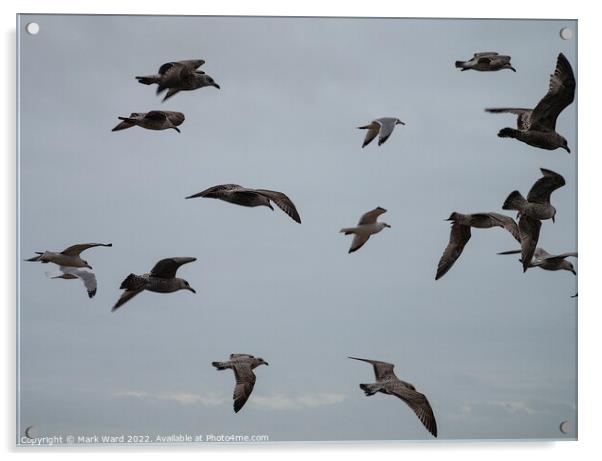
(536, 127)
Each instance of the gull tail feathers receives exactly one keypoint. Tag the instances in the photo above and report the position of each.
(220, 365)
(370, 389)
(149, 79)
(508, 133)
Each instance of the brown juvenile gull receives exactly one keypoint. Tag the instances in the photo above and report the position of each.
(537, 127)
(383, 126)
(85, 275)
(388, 383)
(242, 365)
(161, 279)
(460, 234)
(541, 258)
(532, 210)
(365, 228)
(153, 120)
(179, 76)
(488, 61)
(69, 257)
(233, 193)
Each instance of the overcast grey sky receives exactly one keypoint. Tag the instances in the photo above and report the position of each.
(493, 349)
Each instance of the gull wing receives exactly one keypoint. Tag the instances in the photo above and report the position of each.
(418, 403)
(167, 268)
(75, 250)
(484, 220)
(283, 202)
(458, 238)
(371, 216)
(523, 120)
(85, 275)
(382, 370)
(358, 241)
(529, 236)
(373, 129)
(245, 381)
(544, 186)
(387, 125)
(560, 94)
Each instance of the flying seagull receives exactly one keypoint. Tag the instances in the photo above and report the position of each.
(365, 228)
(537, 127)
(69, 257)
(179, 76)
(382, 127)
(153, 120)
(532, 210)
(242, 365)
(541, 258)
(161, 279)
(460, 234)
(233, 193)
(488, 61)
(85, 275)
(388, 383)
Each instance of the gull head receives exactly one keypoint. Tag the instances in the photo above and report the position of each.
(565, 145)
(453, 217)
(184, 285)
(211, 82)
(260, 361)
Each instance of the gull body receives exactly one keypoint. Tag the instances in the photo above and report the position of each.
(460, 234)
(549, 262)
(489, 61)
(367, 226)
(537, 127)
(242, 365)
(161, 279)
(69, 257)
(244, 196)
(533, 209)
(388, 383)
(153, 120)
(179, 76)
(381, 127)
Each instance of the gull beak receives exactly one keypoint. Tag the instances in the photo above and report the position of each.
(553, 219)
(266, 363)
(567, 149)
(191, 289)
(388, 225)
(217, 86)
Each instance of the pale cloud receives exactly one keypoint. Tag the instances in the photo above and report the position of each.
(514, 406)
(293, 402)
(273, 402)
(183, 398)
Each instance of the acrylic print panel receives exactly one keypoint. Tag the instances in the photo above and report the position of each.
(121, 118)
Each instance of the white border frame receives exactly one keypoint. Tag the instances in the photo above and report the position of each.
(588, 189)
